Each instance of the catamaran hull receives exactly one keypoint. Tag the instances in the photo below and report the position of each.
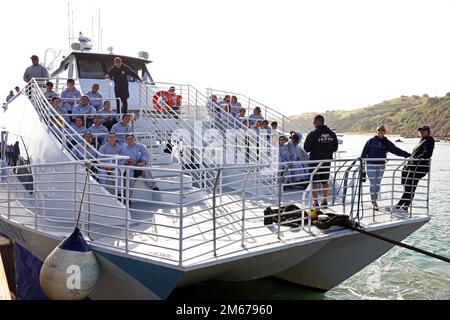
(321, 264)
(340, 258)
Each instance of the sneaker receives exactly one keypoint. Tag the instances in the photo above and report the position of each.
(374, 205)
(315, 204)
(399, 209)
(155, 189)
(324, 204)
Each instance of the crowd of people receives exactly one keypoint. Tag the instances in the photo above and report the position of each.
(91, 117)
(229, 114)
(120, 140)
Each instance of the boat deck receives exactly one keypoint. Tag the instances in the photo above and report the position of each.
(156, 235)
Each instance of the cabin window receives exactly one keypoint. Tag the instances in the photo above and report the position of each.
(90, 69)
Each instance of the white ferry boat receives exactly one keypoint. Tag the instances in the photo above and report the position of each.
(207, 220)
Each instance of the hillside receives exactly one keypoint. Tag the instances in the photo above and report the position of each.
(401, 115)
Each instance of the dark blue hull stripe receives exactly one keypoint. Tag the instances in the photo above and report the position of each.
(160, 280)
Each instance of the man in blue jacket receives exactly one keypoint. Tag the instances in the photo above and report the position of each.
(377, 148)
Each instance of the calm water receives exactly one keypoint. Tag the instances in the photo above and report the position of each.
(399, 274)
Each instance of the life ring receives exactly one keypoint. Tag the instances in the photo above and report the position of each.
(167, 97)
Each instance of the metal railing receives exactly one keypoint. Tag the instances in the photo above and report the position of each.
(180, 224)
(59, 127)
(284, 123)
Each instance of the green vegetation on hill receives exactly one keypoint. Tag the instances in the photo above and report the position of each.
(401, 115)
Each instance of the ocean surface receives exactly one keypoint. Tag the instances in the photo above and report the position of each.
(400, 274)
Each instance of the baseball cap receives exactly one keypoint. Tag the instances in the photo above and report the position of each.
(423, 128)
(381, 128)
(34, 57)
(49, 83)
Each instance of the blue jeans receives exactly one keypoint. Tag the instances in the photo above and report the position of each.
(375, 173)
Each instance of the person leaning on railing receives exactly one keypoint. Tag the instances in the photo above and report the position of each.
(377, 148)
(416, 169)
(119, 73)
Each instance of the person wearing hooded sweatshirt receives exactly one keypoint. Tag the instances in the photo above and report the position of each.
(321, 144)
(377, 148)
(416, 169)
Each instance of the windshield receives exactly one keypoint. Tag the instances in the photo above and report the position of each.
(89, 68)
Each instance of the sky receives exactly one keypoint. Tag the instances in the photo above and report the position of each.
(292, 55)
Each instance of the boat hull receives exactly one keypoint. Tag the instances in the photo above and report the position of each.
(321, 263)
(342, 257)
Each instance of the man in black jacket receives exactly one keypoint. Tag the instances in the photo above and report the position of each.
(321, 144)
(119, 73)
(416, 169)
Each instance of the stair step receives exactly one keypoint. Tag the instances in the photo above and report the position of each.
(161, 158)
(189, 195)
(173, 182)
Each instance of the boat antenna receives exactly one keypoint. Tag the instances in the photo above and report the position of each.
(73, 36)
(101, 40)
(68, 21)
(92, 28)
(98, 39)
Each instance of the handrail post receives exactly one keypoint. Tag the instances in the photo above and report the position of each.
(311, 183)
(360, 169)
(75, 194)
(36, 201)
(180, 252)
(9, 198)
(280, 186)
(216, 180)
(89, 200)
(392, 186)
(127, 205)
(428, 188)
(334, 181)
(411, 192)
(244, 186)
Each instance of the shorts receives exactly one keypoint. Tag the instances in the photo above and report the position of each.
(323, 174)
